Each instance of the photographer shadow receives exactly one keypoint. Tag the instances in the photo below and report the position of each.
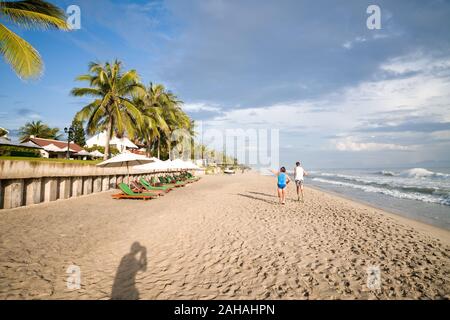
(124, 286)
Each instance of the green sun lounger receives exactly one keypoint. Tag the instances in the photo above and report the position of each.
(163, 184)
(130, 194)
(192, 177)
(148, 186)
(167, 181)
(171, 179)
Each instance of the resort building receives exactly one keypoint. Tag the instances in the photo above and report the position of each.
(122, 144)
(58, 149)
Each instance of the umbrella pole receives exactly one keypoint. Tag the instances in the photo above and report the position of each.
(128, 173)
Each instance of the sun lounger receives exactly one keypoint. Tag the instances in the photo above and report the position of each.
(169, 179)
(165, 181)
(130, 194)
(149, 187)
(158, 183)
(139, 188)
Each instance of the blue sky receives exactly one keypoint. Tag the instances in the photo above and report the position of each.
(340, 94)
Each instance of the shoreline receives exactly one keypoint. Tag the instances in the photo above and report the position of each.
(224, 237)
(442, 233)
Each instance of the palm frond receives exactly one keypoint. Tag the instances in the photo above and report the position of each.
(34, 20)
(22, 57)
(80, 92)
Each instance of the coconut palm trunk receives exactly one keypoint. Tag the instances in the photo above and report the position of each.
(108, 139)
(159, 148)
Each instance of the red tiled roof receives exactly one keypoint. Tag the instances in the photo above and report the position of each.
(60, 144)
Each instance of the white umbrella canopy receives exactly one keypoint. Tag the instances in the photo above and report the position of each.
(83, 153)
(178, 164)
(183, 165)
(191, 166)
(157, 165)
(97, 154)
(125, 159)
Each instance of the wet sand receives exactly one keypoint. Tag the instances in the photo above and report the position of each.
(225, 237)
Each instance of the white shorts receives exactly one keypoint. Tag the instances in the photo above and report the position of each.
(299, 183)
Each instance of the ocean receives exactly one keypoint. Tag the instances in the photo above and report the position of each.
(418, 193)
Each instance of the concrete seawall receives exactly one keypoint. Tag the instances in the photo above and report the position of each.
(24, 183)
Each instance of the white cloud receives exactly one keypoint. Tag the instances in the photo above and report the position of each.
(349, 144)
(416, 62)
(349, 44)
(200, 106)
(441, 135)
(423, 96)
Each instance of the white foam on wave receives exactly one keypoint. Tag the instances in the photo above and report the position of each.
(422, 173)
(393, 193)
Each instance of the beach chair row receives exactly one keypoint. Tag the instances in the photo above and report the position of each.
(144, 189)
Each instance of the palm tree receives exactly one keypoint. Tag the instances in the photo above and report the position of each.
(174, 116)
(162, 115)
(151, 104)
(3, 132)
(30, 14)
(113, 109)
(38, 129)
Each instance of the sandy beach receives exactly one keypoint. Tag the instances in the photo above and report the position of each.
(224, 237)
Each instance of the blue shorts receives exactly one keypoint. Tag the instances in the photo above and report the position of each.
(281, 186)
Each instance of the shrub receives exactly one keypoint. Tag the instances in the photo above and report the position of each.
(14, 151)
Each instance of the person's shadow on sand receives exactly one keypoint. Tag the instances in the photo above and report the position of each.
(256, 198)
(124, 287)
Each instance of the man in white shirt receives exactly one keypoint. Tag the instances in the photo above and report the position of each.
(299, 174)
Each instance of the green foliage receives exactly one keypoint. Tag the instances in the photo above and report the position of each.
(3, 132)
(78, 135)
(15, 151)
(83, 162)
(161, 116)
(112, 109)
(29, 14)
(39, 130)
(113, 150)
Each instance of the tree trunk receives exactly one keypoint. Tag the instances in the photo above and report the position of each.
(159, 152)
(108, 139)
(149, 149)
(169, 149)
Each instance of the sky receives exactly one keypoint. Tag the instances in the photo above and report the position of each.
(339, 94)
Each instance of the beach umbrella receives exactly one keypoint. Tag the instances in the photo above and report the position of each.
(191, 166)
(169, 164)
(83, 153)
(178, 164)
(97, 154)
(157, 165)
(125, 159)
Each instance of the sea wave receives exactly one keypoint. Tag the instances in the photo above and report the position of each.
(418, 173)
(386, 173)
(430, 195)
(423, 173)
